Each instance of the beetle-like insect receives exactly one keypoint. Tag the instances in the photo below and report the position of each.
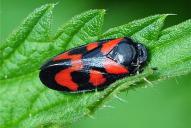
(94, 66)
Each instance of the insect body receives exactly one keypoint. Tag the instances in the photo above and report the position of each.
(93, 66)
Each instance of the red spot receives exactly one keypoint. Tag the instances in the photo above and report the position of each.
(113, 67)
(65, 55)
(96, 78)
(64, 78)
(92, 46)
(76, 61)
(108, 46)
(61, 57)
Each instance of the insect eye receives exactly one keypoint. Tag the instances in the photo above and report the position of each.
(142, 53)
(123, 53)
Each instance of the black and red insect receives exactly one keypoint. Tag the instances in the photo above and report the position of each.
(94, 66)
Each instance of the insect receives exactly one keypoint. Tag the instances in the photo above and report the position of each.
(94, 66)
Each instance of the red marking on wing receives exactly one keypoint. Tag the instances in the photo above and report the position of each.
(96, 78)
(65, 55)
(62, 57)
(91, 46)
(64, 78)
(108, 46)
(113, 67)
(76, 61)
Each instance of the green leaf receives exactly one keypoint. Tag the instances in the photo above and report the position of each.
(146, 29)
(26, 103)
(78, 31)
(172, 51)
(22, 50)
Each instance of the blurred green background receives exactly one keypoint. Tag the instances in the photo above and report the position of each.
(166, 105)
